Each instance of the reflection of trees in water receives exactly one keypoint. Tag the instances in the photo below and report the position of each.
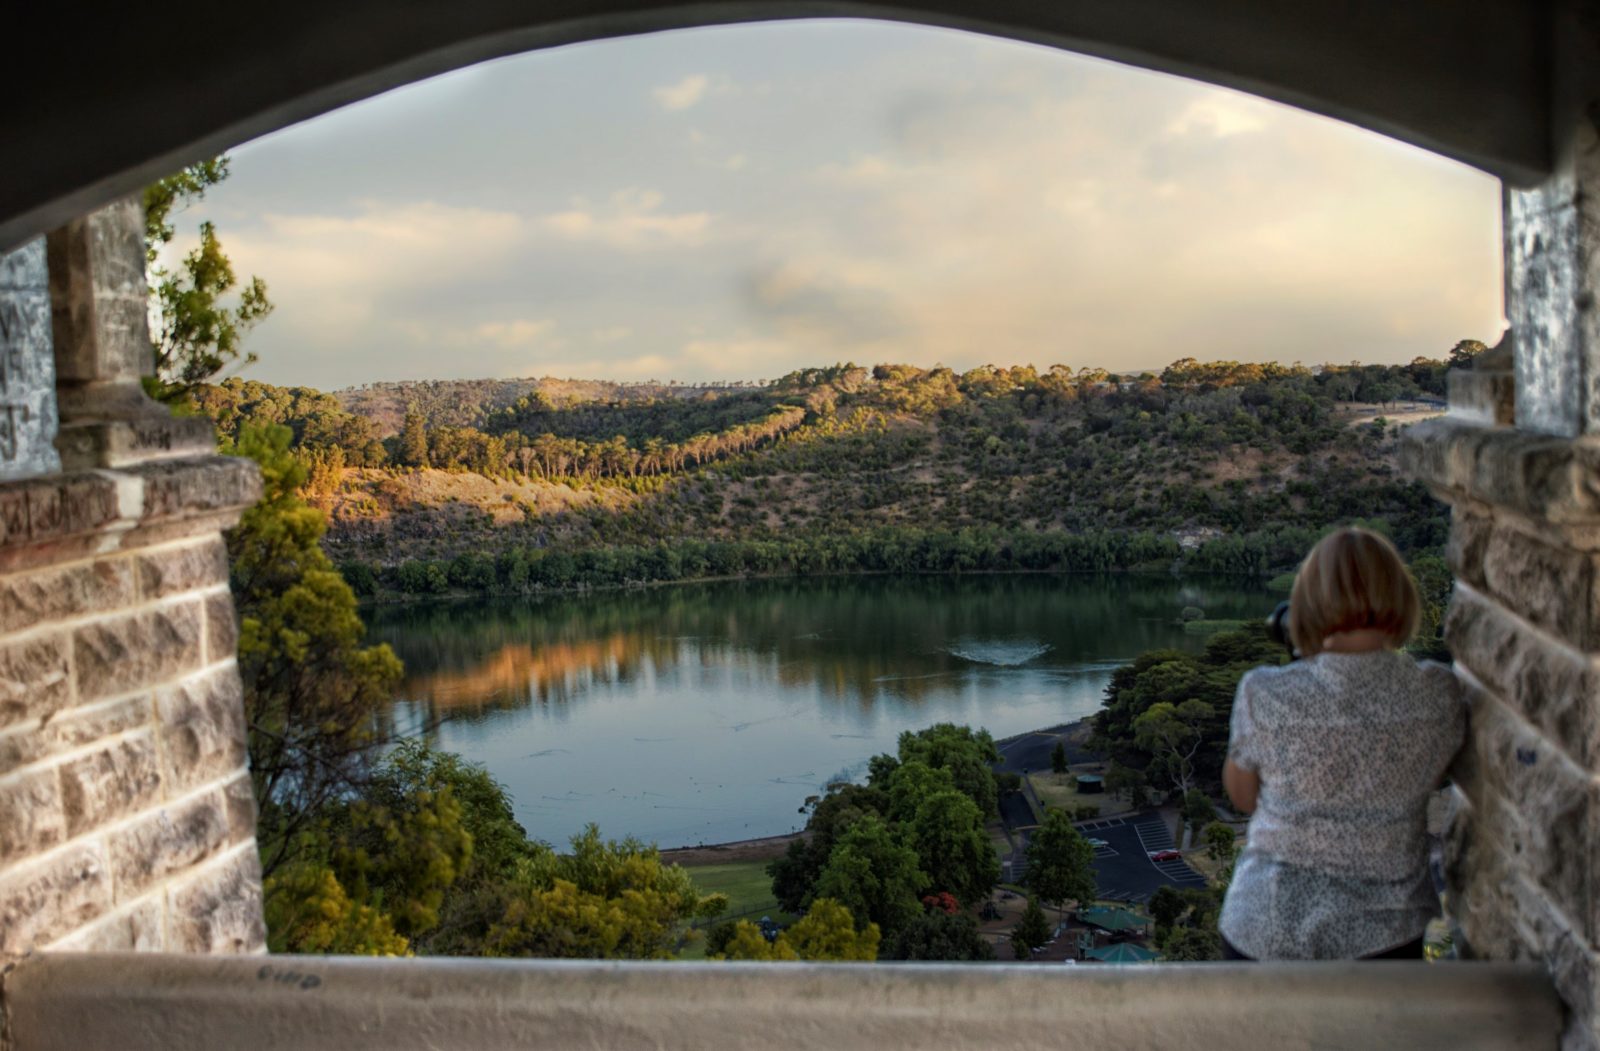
(853, 639)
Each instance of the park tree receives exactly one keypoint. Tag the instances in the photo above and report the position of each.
(311, 689)
(746, 942)
(1119, 779)
(825, 933)
(1192, 945)
(198, 327)
(309, 911)
(947, 832)
(795, 873)
(1060, 861)
(1219, 840)
(1173, 733)
(937, 935)
(967, 754)
(1167, 906)
(874, 875)
(828, 932)
(602, 900)
(1198, 810)
(1058, 758)
(1031, 931)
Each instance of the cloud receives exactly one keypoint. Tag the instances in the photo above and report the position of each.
(513, 334)
(685, 93)
(631, 220)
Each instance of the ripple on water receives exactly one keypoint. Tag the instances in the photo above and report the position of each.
(1004, 653)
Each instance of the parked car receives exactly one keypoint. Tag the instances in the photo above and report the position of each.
(1165, 855)
(1098, 843)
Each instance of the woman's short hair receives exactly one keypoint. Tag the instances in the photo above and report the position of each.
(1353, 580)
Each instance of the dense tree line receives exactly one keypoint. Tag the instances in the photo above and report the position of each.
(1252, 461)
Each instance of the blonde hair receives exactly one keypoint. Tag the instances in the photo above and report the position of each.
(1353, 580)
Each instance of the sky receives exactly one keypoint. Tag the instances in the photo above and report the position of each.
(737, 202)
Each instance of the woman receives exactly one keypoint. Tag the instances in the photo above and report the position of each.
(1336, 754)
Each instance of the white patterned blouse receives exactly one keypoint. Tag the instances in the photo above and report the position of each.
(1348, 747)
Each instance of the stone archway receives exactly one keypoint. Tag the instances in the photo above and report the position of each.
(115, 103)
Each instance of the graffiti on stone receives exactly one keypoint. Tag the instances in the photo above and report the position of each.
(27, 367)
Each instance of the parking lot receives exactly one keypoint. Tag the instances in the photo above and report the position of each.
(1122, 868)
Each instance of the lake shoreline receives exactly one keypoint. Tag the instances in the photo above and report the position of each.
(400, 599)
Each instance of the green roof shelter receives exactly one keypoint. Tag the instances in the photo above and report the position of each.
(1109, 918)
(1122, 952)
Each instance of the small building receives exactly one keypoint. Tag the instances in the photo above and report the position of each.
(1090, 784)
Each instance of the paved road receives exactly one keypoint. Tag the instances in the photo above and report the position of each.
(1031, 751)
(1123, 870)
(1015, 811)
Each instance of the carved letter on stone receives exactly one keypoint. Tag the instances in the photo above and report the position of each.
(27, 367)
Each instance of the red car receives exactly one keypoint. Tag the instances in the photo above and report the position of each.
(1165, 855)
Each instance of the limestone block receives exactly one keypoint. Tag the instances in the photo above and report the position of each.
(33, 678)
(46, 516)
(240, 798)
(168, 571)
(14, 513)
(98, 296)
(166, 841)
(121, 778)
(1483, 396)
(1552, 586)
(123, 654)
(1533, 807)
(222, 628)
(1469, 539)
(70, 729)
(140, 927)
(31, 816)
(27, 599)
(1479, 879)
(42, 901)
(1552, 685)
(219, 909)
(195, 486)
(202, 729)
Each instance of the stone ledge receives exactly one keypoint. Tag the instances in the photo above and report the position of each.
(1544, 478)
(65, 517)
(67, 1002)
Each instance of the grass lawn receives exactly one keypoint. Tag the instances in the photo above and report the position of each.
(749, 891)
(746, 883)
(1061, 790)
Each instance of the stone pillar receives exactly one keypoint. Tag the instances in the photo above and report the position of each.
(126, 814)
(1518, 460)
(99, 314)
(1552, 244)
(27, 371)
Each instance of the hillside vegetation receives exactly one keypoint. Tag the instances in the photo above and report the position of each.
(514, 485)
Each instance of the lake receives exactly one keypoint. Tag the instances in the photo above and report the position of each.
(703, 713)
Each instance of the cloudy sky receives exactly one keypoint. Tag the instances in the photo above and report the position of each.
(736, 202)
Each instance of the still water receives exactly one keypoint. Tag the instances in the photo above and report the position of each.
(703, 713)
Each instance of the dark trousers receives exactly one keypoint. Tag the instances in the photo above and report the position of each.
(1411, 950)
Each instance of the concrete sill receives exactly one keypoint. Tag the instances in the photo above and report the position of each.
(146, 1002)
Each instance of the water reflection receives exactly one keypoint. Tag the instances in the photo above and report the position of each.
(707, 712)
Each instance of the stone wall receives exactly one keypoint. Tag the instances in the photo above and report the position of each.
(1524, 626)
(126, 814)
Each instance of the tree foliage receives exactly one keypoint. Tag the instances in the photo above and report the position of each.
(1031, 932)
(874, 875)
(310, 688)
(937, 935)
(198, 330)
(1060, 861)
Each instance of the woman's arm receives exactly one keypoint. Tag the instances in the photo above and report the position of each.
(1243, 786)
